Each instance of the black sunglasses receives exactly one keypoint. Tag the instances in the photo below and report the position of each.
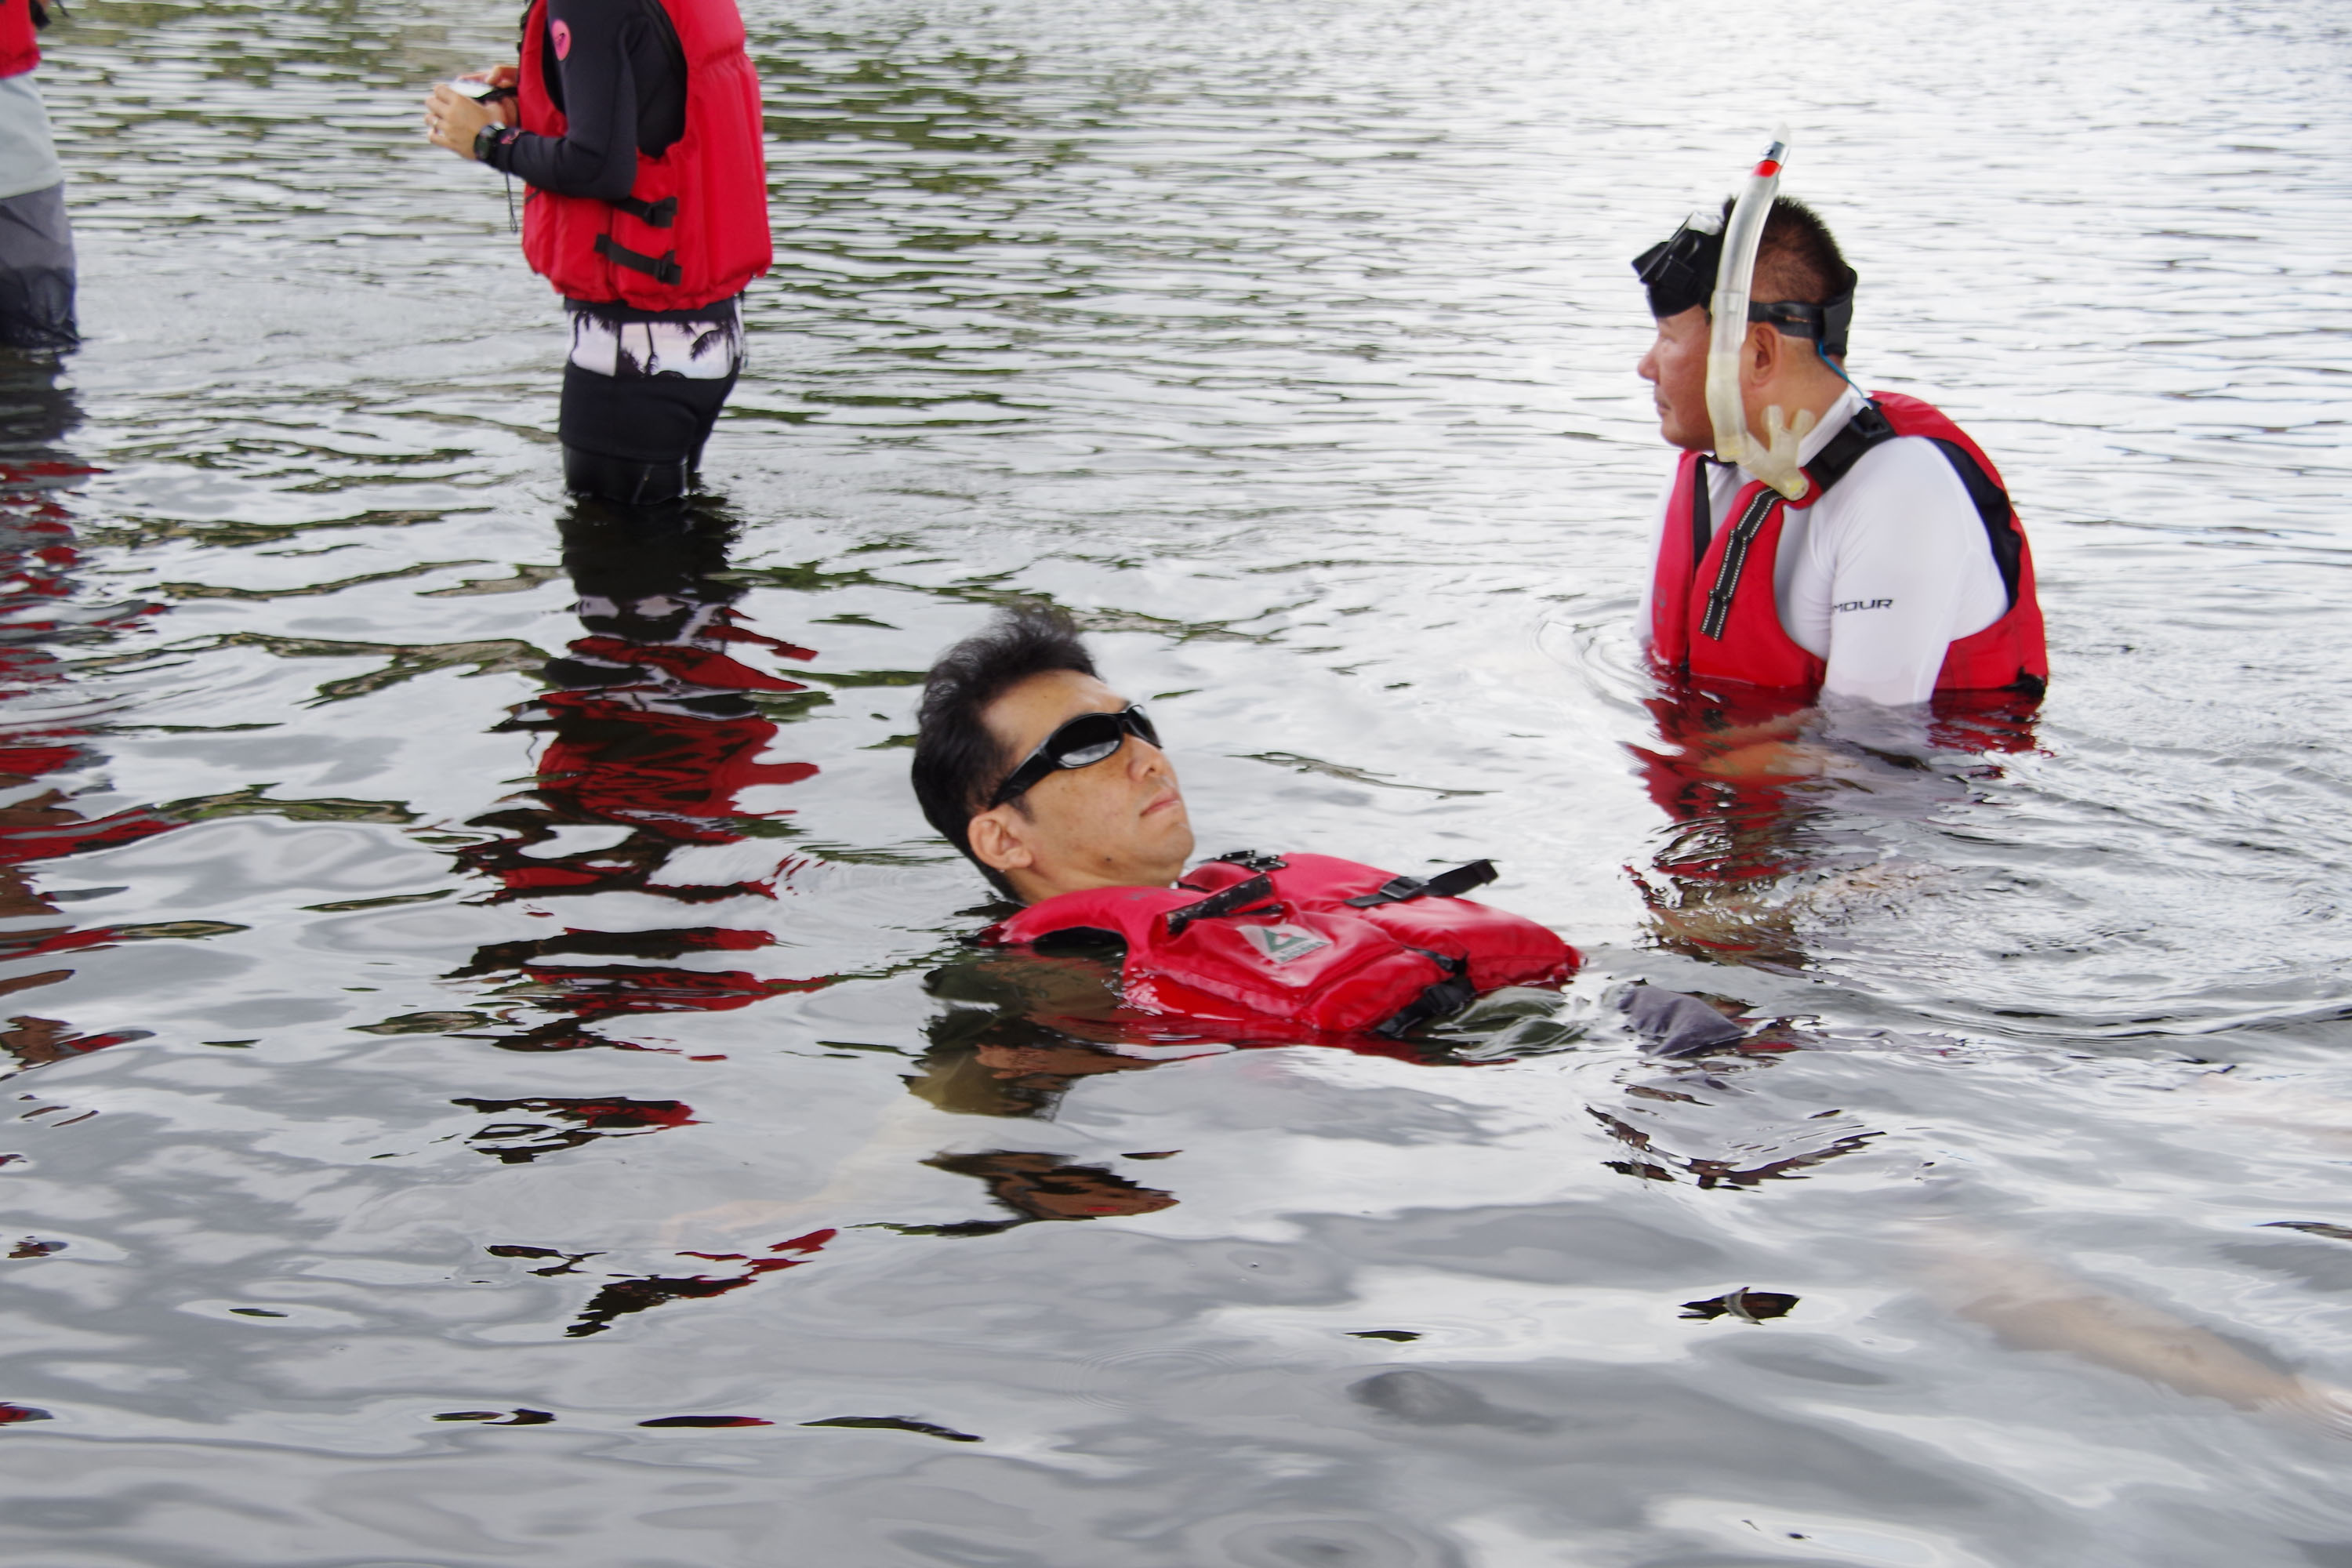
(1079, 742)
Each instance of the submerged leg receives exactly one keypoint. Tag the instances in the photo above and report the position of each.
(36, 271)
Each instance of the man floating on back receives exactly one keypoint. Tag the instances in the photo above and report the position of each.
(1056, 789)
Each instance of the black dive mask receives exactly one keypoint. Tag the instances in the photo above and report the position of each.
(1679, 274)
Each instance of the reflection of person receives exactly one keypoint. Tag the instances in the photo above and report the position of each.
(653, 728)
(1900, 573)
(36, 255)
(1056, 787)
(637, 128)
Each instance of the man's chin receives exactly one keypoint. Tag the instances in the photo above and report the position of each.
(1174, 835)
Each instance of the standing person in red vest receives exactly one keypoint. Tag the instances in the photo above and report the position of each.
(1896, 570)
(637, 125)
(37, 254)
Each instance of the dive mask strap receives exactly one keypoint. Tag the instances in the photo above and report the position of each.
(1827, 325)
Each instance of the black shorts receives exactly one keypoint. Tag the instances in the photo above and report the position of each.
(658, 419)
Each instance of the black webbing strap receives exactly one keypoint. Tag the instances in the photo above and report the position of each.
(1734, 559)
(1255, 860)
(1992, 504)
(660, 215)
(1240, 896)
(1869, 427)
(1444, 885)
(1443, 1000)
(662, 268)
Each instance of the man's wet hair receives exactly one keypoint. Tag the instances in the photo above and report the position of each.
(958, 764)
(1798, 259)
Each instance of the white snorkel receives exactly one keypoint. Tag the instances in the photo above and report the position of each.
(1774, 458)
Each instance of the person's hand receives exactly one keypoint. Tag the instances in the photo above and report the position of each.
(452, 119)
(506, 78)
(1763, 761)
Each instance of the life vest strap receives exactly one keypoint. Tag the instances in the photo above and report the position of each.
(1441, 1000)
(662, 268)
(1869, 427)
(1702, 519)
(1444, 885)
(1255, 860)
(1241, 895)
(1735, 560)
(662, 214)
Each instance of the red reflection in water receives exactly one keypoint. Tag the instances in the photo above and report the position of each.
(654, 734)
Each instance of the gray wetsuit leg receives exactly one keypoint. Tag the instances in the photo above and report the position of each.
(36, 270)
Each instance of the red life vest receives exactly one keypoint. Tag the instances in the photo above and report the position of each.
(694, 227)
(1307, 940)
(1712, 610)
(20, 50)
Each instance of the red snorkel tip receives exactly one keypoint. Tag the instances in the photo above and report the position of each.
(1768, 168)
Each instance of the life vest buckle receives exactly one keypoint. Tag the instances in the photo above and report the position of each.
(662, 268)
(1240, 896)
(1444, 885)
(1254, 860)
(662, 214)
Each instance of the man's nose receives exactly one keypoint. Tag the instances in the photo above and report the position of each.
(1648, 367)
(1144, 759)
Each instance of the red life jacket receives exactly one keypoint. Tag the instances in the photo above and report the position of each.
(694, 227)
(1307, 940)
(1712, 610)
(20, 50)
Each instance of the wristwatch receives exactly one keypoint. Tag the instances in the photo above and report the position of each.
(491, 135)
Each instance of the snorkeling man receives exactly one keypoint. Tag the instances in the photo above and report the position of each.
(1056, 788)
(1883, 559)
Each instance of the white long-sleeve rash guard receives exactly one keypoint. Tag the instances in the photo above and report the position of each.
(1880, 575)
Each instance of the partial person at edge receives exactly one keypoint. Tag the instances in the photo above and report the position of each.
(36, 252)
(1903, 572)
(646, 210)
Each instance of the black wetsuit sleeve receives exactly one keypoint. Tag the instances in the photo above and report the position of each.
(598, 84)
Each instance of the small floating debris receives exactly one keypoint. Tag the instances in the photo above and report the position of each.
(706, 1421)
(896, 1423)
(1154, 1154)
(259, 1312)
(10, 1413)
(29, 1247)
(2311, 1227)
(1401, 1336)
(499, 1417)
(1748, 1306)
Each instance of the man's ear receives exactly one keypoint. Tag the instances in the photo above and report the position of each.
(1763, 352)
(998, 841)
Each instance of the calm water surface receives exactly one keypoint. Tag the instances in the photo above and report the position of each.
(499, 1077)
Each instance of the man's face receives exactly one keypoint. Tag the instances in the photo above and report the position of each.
(1676, 368)
(1120, 823)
